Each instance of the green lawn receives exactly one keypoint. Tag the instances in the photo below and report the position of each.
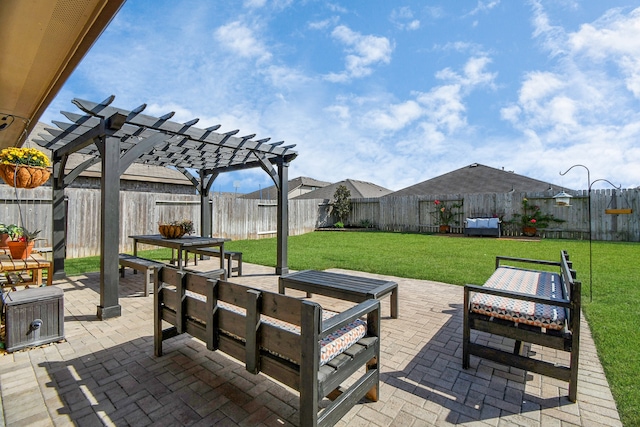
(613, 315)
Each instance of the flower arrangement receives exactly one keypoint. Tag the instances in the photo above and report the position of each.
(19, 234)
(24, 156)
(24, 167)
(444, 214)
(532, 216)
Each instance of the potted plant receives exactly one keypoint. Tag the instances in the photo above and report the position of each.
(4, 236)
(175, 229)
(24, 167)
(445, 214)
(532, 218)
(22, 241)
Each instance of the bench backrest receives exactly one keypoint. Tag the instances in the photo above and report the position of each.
(201, 307)
(571, 287)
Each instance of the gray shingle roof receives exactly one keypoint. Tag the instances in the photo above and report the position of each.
(297, 186)
(477, 178)
(358, 189)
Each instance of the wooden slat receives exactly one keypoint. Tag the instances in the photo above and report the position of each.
(281, 307)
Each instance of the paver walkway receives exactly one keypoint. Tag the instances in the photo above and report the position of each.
(105, 372)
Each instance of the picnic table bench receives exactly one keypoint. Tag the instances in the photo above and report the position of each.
(293, 341)
(533, 306)
(144, 265)
(229, 256)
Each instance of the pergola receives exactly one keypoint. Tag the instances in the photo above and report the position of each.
(118, 138)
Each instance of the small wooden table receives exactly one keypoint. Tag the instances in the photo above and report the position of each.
(34, 264)
(181, 245)
(341, 286)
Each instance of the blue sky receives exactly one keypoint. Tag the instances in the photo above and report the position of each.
(390, 92)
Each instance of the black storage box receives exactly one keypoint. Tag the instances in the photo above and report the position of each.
(33, 317)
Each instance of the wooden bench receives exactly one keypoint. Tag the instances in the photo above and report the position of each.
(143, 265)
(229, 256)
(546, 312)
(283, 337)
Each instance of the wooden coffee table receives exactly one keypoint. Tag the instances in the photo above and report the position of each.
(341, 286)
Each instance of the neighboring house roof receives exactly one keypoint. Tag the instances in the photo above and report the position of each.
(477, 178)
(135, 172)
(297, 187)
(358, 190)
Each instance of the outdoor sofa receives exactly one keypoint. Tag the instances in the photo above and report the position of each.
(294, 341)
(482, 227)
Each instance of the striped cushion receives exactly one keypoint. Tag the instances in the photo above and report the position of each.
(330, 347)
(531, 282)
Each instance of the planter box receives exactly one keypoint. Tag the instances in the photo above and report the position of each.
(34, 316)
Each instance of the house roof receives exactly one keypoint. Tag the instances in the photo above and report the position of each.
(271, 192)
(477, 178)
(358, 190)
(42, 43)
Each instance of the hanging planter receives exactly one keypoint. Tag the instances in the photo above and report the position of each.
(24, 167)
(20, 176)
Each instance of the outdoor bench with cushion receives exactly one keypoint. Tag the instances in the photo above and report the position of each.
(482, 227)
(528, 306)
(293, 341)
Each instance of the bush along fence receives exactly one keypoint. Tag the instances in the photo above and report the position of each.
(240, 219)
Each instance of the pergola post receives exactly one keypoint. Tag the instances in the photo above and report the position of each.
(59, 219)
(283, 218)
(109, 226)
(206, 210)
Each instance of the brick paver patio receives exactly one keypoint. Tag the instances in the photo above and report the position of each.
(105, 372)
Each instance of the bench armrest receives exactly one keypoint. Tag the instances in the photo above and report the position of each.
(526, 260)
(517, 295)
(349, 316)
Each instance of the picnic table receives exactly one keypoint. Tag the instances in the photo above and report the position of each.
(182, 244)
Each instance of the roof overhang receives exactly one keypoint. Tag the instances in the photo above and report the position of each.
(42, 43)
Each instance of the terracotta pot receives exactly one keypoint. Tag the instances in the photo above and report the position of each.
(529, 231)
(444, 229)
(4, 238)
(22, 176)
(171, 231)
(20, 250)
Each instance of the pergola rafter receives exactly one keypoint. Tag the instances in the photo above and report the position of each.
(118, 138)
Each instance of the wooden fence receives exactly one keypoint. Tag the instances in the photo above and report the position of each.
(140, 213)
(415, 213)
(238, 219)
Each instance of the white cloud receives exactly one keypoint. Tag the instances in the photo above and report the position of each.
(484, 6)
(395, 117)
(616, 38)
(240, 39)
(325, 23)
(363, 52)
(403, 18)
